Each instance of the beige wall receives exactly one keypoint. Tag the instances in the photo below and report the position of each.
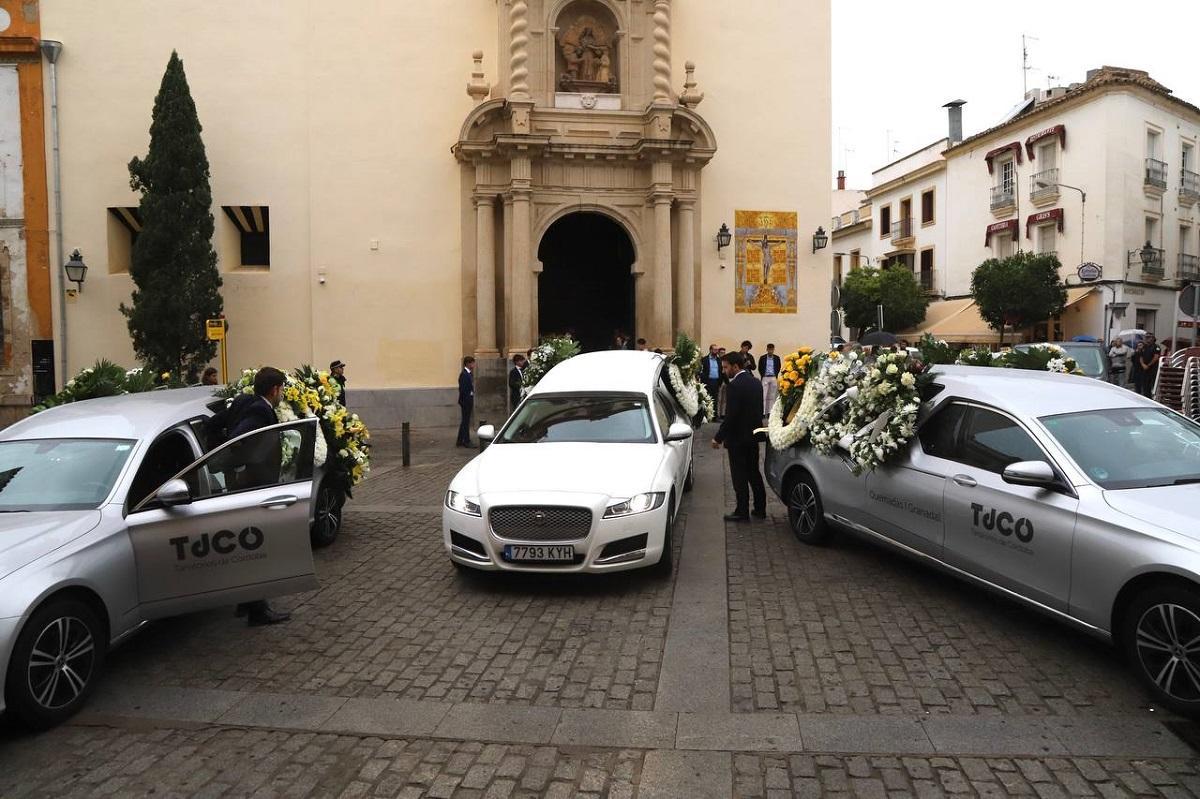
(341, 118)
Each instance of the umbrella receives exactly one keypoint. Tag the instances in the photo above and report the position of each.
(878, 339)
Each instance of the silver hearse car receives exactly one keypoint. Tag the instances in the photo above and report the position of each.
(1077, 497)
(112, 514)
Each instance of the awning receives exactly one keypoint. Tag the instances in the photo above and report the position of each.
(1053, 215)
(954, 321)
(1012, 226)
(1078, 294)
(1058, 130)
(991, 155)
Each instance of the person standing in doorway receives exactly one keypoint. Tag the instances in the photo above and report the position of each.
(1118, 356)
(466, 400)
(768, 368)
(337, 373)
(743, 416)
(516, 380)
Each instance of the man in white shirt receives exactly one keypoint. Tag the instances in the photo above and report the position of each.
(768, 367)
(1119, 354)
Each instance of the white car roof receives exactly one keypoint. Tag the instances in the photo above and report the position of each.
(1032, 394)
(128, 416)
(608, 372)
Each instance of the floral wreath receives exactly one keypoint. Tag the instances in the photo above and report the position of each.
(683, 375)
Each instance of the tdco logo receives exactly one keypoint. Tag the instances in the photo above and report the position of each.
(1003, 523)
(222, 542)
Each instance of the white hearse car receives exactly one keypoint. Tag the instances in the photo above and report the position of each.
(1077, 497)
(585, 476)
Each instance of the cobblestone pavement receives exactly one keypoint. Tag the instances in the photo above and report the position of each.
(854, 628)
(394, 618)
(781, 776)
(87, 762)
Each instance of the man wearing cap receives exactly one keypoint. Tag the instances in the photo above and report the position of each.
(337, 373)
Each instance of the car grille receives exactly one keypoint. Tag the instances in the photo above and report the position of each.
(540, 522)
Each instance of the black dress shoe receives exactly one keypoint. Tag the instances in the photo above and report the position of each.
(737, 517)
(268, 616)
(759, 514)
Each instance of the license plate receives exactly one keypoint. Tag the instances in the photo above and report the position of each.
(542, 553)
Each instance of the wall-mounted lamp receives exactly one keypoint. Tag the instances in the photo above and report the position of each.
(76, 270)
(724, 237)
(820, 239)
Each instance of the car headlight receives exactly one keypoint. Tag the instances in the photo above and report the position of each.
(638, 504)
(462, 503)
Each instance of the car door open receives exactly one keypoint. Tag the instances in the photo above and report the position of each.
(232, 527)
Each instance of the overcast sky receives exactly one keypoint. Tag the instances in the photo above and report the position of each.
(895, 64)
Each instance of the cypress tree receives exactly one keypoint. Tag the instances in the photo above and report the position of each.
(173, 263)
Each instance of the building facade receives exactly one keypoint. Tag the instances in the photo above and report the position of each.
(370, 209)
(1101, 172)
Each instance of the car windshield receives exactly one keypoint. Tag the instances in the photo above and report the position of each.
(1130, 447)
(592, 419)
(59, 473)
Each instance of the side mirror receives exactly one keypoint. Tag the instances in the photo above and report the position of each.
(173, 494)
(679, 431)
(1038, 474)
(486, 432)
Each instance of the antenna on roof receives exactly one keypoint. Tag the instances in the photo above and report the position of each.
(1025, 67)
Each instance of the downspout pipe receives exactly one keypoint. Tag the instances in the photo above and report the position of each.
(51, 49)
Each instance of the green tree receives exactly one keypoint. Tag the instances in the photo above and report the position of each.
(1020, 290)
(896, 289)
(173, 264)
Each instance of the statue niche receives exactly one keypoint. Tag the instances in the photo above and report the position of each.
(588, 57)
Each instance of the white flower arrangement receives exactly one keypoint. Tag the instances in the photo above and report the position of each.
(687, 392)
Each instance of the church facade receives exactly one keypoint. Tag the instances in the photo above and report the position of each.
(401, 184)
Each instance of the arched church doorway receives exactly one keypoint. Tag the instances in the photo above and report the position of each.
(586, 285)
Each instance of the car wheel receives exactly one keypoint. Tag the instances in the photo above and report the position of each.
(327, 516)
(806, 515)
(666, 561)
(1161, 636)
(55, 664)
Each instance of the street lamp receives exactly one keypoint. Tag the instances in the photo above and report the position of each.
(1041, 184)
(76, 269)
(724, 237)
(1149, 254)
(820, 239)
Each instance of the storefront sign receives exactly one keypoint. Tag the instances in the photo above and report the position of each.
(1089, 272)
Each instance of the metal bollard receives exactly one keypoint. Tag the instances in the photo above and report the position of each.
(405, 448)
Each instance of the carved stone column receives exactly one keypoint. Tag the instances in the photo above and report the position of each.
(524, 330)
(662, 51)
(508, 273)
(660, 331)
(485, 275)
(685, 279)
(518, 63)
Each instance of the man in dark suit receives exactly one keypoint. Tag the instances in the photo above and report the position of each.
(743, 414)
(256, 463)
(768, 372)
(710, 371)
(516, 377)
(466, 400)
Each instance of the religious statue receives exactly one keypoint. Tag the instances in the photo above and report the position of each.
(587, 52)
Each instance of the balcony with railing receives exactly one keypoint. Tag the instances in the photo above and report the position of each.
(1151, 261)
(1004, 197)
(1156, 173)
(902, 231)
(1043, 186)
(928, 280)
(1189, 186)
(1189, 267)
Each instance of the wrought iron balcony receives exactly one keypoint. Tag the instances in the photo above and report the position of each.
(902, 230)
(1189, 267)
(1004, 195)
(1156, 173)
(1189, 186)
(928, 280)
(1044, 184)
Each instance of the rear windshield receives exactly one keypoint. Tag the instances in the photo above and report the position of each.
(591, 419)
(59, 473)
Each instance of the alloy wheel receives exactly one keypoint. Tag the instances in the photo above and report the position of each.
(327, 517)
(1168, 646)
(61, 662)
(802, 508)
